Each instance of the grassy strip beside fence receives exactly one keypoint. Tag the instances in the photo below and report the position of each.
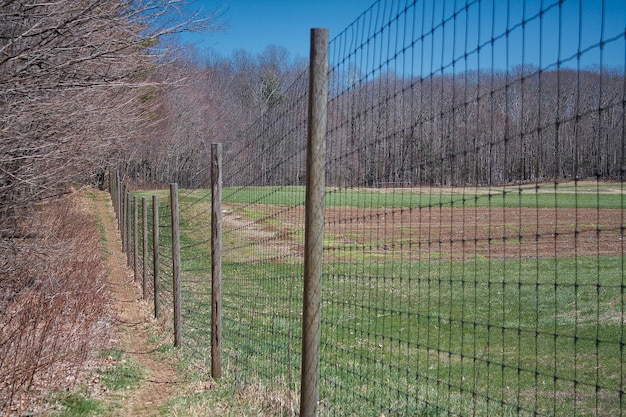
(408, 336)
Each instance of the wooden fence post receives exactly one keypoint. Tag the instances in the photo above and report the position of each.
(127, 222)
(155, 255)
(123, 217)
(115, 198)
(216, 260)
(136, 236)
(176, 265)
(120, 204)
(144, 252)
(314, 221)
(112, 192)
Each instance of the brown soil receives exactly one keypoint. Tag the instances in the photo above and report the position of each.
(133, 322)
(442, 233)
(468, 233)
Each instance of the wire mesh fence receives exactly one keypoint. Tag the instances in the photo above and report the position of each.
(474, 220)
(474, 223)
(263, 244)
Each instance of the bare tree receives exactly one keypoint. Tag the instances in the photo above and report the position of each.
(217, 101)
(76, 79)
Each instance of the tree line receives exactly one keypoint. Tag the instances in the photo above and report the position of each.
(218, 101)
(474, 128)
(479, 128)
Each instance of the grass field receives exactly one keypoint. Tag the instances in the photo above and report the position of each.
(468, 301)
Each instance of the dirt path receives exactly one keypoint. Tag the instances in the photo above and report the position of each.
(133, 320)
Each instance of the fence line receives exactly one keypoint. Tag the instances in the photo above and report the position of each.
(473, 231)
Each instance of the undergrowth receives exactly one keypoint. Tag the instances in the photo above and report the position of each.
(53, 314)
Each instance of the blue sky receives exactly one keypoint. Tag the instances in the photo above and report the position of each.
(254, 24)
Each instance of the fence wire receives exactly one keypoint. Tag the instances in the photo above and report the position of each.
(195, 231)
(263, 238)
(474, 221)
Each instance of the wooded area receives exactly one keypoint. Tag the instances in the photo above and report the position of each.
(472, 128)
(77, 82)
(480, 128)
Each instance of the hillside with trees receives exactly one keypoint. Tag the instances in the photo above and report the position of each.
(217, 101)
(479, 128)
(76, 84)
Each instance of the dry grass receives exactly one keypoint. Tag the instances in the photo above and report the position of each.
(233, 399)
(53, 311)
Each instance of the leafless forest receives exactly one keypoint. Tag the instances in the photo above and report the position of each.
(473, 128)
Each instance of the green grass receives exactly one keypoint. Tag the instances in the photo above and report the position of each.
(122, 375)
(80, 404)
(562, 196)
(428, 338)
(125, 374)
(496, 329)
(446, 335)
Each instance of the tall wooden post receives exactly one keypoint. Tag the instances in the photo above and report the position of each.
(178, 333)
(136, 237)
(314, 221)
(144, 245)
(123, 217)
(120, 204)
(216, 260)
(155, 256)
(127, 223)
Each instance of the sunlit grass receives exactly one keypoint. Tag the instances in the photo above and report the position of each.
(121, 376)
(477, 336)
(80, 404)
(545, 196)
